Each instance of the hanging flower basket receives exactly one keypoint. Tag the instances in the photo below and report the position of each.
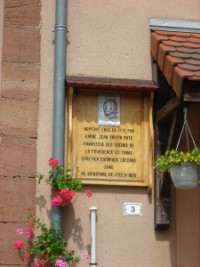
(184, 167)
(184, 176)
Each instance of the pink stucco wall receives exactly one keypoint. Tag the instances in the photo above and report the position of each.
(188, 208)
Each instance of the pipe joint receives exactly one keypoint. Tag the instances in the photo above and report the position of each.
(60, 27)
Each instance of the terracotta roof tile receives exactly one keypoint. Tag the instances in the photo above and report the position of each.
(177, 79)
(182, 34)
(178, 39)
(195, 56)
(189, 67)
(194, 78)
(164, 33)
(190, 44)
(178, 56)
(162, 52)
(170, 62)
(194, 40)
(196, 35)
(172, 43)
(155, 41)
(186, 50)
(195, 73)
(192, 61)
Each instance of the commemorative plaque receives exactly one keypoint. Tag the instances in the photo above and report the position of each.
(109, 137)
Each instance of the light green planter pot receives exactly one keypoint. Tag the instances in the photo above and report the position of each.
(184, 176)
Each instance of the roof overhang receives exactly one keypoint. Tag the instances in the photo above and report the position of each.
(175, 46)
(175, 50)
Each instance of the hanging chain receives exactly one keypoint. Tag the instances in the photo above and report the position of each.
(187, 130)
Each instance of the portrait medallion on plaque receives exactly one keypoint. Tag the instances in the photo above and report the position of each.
(109, 110)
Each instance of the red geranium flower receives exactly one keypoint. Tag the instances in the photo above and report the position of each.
(88, 192)
(29, 232)
(57, 201)
(37, 263)
(66, 194)
(31, 224)
(70, 195)
(18, 244)
(26, 257)
(63, 192)
(53, 162)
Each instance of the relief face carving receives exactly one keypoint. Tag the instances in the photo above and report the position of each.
(109, 110)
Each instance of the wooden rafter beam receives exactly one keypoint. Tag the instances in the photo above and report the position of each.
(166, 180)
(165, 135)
(168, 109)
(161, 203)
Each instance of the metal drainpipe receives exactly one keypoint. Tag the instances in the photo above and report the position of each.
(59, 96)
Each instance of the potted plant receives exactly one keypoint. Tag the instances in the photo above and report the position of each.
(183, 167)
(46, 249)
(63, 184)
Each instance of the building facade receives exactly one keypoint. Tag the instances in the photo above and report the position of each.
(105, 40)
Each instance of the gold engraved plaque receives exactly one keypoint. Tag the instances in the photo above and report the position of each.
(114, 150)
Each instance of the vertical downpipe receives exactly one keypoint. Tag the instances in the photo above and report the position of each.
(59, 96)
(93, 216)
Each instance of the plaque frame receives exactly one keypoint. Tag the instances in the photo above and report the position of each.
(146, 157)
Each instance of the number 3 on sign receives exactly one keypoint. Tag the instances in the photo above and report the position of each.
(133, 209)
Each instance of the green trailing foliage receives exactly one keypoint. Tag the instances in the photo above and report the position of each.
(60, 178)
